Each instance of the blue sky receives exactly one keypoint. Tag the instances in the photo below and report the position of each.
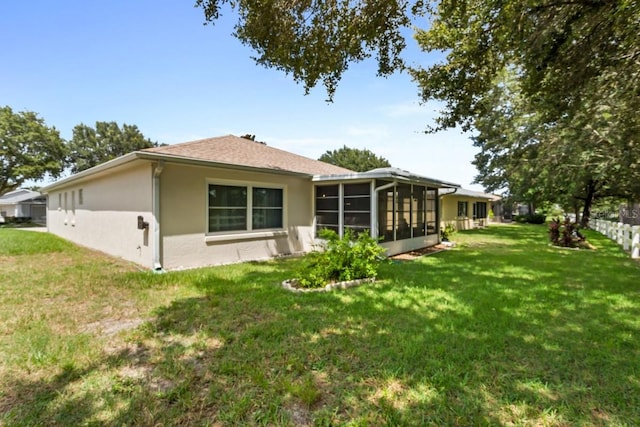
(154, 64)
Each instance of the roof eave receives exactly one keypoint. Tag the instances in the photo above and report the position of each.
(386, 175)
(201, 162)
(143, 155)
(118, 161)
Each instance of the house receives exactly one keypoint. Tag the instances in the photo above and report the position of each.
(466, 209)
(629, 213)
(228, 199)
(23, 203)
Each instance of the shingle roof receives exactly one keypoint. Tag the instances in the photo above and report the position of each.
(17, 196)
(233, 150)
(471, 193)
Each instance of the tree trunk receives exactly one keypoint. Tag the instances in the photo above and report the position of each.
(588, 202)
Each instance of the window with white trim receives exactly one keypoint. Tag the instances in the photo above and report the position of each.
(244, 208)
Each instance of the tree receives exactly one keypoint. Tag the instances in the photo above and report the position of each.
(90, 147)
(354, 159)
(29, 149)
(576, 63)
(316, 40)
(575, 161)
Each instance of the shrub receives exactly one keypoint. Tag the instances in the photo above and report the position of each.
(447, 232)
(530, 219)
(520, 219)
(537, 218)
(565, 234)
(340, 259)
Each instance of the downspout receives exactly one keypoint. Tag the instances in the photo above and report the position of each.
(157, 266)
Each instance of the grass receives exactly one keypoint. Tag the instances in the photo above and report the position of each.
(502, 330)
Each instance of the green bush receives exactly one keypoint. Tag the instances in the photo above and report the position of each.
(537, 218)
(448, 231)
(530, 219)
(341, 259)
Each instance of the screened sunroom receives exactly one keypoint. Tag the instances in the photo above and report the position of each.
(396, 206)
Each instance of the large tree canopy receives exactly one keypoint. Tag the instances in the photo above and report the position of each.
(29, 149)
(316, 40)
(355, 159)
(574, 65)
(91, 146)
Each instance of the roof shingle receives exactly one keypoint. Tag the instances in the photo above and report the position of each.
(233, 150)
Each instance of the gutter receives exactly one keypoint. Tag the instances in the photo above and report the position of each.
(449, 192)
(155, 213)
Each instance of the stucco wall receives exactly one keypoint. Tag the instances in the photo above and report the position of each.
(449, 213)
(183, 215)
(106, 217)
(405, 245)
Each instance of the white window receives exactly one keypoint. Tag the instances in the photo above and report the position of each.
(244, 208)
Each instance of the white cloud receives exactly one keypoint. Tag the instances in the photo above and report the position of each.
(372, 131)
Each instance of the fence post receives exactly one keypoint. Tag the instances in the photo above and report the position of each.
(620, 235)
(635, 242)
(626, 238)
(612, 231)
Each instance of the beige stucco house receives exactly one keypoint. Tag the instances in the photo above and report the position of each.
(466, 209)
(228, 199)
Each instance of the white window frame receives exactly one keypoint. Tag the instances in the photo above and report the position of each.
(248, 232)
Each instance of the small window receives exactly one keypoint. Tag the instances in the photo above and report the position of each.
(59, 200)
(65, 200)
(80, 197)
(463, 209)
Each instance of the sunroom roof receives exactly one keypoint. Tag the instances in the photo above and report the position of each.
(393, 174)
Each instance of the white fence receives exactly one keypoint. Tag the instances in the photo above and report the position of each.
(626, 235)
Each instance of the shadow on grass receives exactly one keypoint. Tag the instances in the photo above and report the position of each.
(484, 335)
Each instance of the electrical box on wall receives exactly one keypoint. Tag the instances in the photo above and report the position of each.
(142, 224)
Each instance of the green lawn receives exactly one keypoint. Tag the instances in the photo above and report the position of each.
(502, 330)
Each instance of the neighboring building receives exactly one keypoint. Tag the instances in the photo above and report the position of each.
(228, 199)
(466, 209)
(629, 213)
(23, 203)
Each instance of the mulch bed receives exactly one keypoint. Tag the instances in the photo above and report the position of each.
(417, 253)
